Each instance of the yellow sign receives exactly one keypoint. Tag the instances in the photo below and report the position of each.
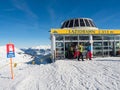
(76, 31)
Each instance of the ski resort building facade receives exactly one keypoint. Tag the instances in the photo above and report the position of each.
(83, 30)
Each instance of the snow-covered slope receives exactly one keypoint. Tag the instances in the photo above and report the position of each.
(98, 74)
(20, 56)
(41, 54)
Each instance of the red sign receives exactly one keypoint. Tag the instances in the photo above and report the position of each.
(10, 50)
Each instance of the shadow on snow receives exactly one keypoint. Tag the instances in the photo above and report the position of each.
(41, 60)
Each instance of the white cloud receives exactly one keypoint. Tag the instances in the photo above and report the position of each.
(22, 5)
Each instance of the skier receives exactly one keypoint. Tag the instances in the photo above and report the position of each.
(80, 48)
(76, 52)
(70, 52)
(89, 54)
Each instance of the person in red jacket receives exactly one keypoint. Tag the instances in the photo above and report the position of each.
(76, 52)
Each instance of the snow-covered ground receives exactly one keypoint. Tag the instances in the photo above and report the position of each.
(98, 74)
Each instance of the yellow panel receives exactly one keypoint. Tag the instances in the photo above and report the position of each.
(76, 31)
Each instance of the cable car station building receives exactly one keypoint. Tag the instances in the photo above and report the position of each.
(83, 30)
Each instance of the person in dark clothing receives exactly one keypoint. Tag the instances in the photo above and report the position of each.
(70, 52)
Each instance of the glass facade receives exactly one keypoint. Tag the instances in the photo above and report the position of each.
(103, 45)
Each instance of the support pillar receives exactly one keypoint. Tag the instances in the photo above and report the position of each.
(91, 41)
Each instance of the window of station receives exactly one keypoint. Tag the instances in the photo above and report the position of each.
(117, 48)
(111, 37)
(74, 37)
(67, 37)
(97, 37)
(106, 37)
(110, 44)
(82, 22)
(101, 48)
(63, 25)
(105, 43)
(76, 23)
(59, 44)
(87, 23)
(97, 53)
(105, 48)
(66, 25)
(71, 37)
(117, 38)
(83, 37)
(97, 44)
(59, 50)
(71, 23)
(117, 45)
(59, 38)
(91, 23)
(97, 48)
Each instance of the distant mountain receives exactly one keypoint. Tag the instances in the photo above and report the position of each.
(41, 47)
(38, 50)
(41, 54)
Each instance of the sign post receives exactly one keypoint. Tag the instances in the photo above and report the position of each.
(10, 54)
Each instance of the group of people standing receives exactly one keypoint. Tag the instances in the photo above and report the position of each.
(77, 52)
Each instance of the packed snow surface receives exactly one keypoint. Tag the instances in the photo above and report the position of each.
(97, 74)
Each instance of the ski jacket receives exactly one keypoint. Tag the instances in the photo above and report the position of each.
(89, 48)
(80, 48)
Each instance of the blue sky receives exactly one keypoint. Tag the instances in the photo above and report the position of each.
(27, 23)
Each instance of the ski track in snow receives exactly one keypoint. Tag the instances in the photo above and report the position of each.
(65, 75)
